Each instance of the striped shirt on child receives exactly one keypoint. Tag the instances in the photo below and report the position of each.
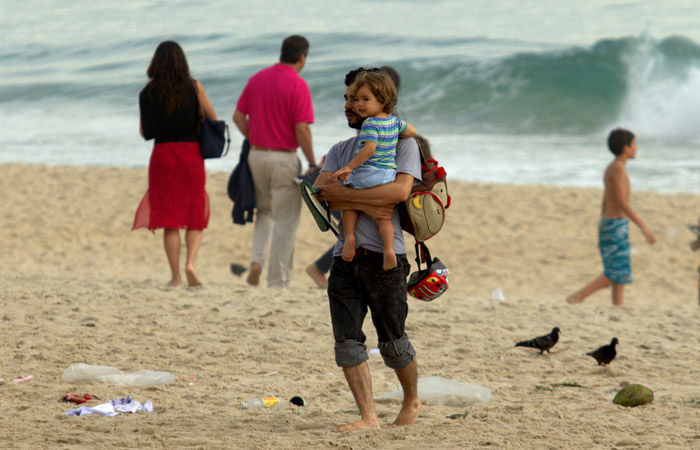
(385, 132)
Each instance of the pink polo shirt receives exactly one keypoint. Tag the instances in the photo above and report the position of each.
(275, 100)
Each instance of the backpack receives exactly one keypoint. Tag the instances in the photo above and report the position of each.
(423, 213)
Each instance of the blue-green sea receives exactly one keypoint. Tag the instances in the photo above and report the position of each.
(506, 91)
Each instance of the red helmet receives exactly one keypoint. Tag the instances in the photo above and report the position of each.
(430, 283)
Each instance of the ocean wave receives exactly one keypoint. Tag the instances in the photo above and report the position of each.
(639, 82)
(650, 85)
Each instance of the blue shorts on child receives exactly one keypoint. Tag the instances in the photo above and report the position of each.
(367, 176)
(613, 240)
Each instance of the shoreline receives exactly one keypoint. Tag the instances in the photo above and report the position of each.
(234, 161)
(79, 286)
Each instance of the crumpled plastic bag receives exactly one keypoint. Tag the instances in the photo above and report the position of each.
(85, 373)
(441, 391)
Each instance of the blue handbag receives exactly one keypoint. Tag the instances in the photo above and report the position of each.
(214, 138)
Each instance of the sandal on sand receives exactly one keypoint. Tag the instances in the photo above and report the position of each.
(318, 207)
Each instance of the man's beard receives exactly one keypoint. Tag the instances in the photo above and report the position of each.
(356, 121)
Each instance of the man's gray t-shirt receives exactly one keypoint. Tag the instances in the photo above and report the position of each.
(366, 231)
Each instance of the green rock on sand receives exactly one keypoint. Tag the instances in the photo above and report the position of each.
(634, 395)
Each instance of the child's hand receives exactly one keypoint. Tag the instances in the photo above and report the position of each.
(650, 237)
(343, 173)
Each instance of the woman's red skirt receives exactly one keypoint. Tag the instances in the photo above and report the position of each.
(176, 197)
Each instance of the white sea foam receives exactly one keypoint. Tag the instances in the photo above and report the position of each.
(662, 101)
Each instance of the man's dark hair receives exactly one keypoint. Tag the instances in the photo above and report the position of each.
(424, 146)
(350, 76)
(293, 48)
(393, 74)
(618, 139)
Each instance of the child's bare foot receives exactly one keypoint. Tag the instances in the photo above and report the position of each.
(574, 299)
(192, 278)
(389, 259)
(349, 248)
(254, 274)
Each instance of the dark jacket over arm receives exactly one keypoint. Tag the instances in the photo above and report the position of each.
(241, 189)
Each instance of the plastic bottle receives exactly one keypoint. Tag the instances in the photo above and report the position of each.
(273, 403)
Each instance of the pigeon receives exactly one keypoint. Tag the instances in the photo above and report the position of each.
(605, 354)
(542, 343)
(238, 269)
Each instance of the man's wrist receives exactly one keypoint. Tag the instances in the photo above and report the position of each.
(341, 194)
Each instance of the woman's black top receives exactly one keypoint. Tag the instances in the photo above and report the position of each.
(179, 126)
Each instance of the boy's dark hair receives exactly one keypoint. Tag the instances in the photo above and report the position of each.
(618, 139)
(380, 85)
(293, 48)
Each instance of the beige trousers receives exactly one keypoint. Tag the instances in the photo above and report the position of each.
(278, 204)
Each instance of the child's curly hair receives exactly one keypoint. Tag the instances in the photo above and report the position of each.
(380, 85)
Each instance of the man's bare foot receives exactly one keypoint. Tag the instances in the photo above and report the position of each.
(359, 425)
(409, 413)
(389, 259)
(319, 277)
(254, 274)
(573, 299)
(349, 248)
(192, 278)
(173, 283)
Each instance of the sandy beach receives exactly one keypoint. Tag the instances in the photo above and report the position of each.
(77, 286)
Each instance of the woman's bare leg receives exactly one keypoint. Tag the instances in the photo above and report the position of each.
(171, 243)
(193, 238)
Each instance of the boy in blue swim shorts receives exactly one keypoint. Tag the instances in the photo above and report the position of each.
(613, 229)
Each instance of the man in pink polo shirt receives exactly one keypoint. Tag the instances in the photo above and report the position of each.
(274, 112)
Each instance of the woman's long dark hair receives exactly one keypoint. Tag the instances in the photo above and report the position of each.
(169, 76)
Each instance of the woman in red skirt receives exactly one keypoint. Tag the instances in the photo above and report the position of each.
(172, 106)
